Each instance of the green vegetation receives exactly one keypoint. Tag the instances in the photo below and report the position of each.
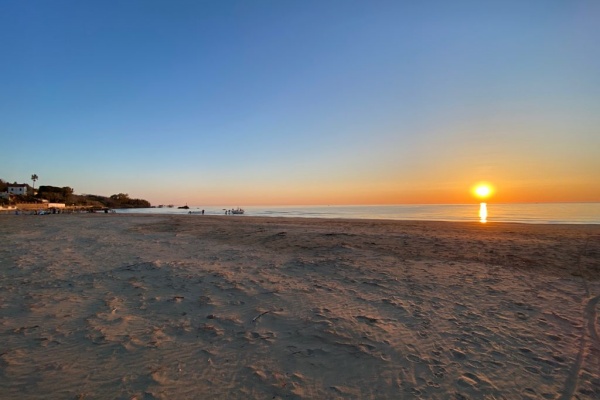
(55, 194)
(121, 200)
(66, 195)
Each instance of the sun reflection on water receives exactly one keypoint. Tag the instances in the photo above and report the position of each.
(483, 213)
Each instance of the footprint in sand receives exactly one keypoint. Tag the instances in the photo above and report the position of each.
(532, 370)
(458, 354)
(438, 371)
(414, 358)
(468, 380)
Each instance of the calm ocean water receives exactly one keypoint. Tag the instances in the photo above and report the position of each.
(548, 213)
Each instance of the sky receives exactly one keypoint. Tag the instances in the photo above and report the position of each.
(303, 102)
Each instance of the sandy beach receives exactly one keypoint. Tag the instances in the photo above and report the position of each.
(105, 306)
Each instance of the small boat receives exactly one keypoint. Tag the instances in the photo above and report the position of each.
(186, 207)
(237, 211)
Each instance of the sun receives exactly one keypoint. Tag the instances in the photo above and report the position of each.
(483, 190)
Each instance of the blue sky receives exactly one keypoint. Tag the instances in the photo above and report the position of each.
(303, 102)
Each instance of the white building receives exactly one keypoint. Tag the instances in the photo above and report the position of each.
(18, 188)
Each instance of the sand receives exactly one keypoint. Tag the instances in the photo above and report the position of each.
(98, 306)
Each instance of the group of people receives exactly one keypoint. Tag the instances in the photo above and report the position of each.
(234, 211)
(201, 212)
(39, 212)
(227, 212)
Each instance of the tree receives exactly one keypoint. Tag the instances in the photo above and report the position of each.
(67, 193)
(121, 197)
(55, 194)
(34, 178)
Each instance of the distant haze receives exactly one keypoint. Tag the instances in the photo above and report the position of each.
(303, 102)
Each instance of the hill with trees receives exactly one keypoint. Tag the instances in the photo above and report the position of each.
(66, 195)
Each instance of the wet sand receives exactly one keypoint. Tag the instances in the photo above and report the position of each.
(98, 306)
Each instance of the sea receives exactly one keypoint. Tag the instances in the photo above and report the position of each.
(530, 213)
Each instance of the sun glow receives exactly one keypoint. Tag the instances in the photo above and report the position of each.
(483, 190)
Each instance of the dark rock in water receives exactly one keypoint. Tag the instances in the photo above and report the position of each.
(186, 207)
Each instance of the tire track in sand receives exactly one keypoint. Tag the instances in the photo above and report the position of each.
(589, 317)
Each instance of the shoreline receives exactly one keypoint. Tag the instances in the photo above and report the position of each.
(529, 213)
(274, 219)
(555, 213)
(168, 306)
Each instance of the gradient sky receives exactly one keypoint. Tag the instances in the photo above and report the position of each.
(303, 102)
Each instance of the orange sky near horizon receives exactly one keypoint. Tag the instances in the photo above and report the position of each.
(381, 193)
